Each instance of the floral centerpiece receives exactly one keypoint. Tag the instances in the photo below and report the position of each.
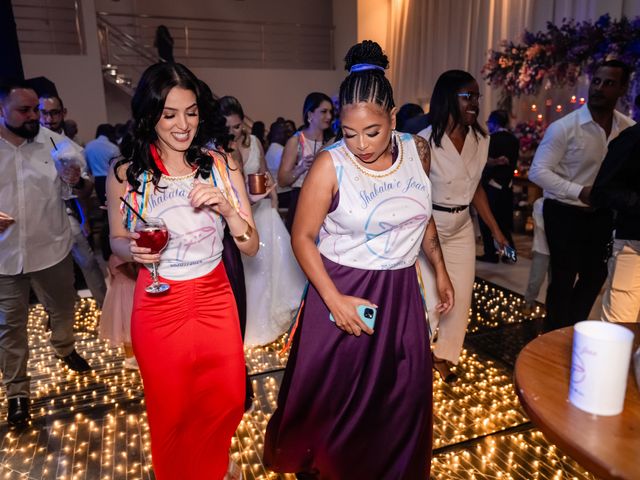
(529, 134)
(559, 55)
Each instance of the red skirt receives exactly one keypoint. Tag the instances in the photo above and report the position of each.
(187, 342)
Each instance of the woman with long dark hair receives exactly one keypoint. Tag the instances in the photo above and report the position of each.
(301, 149)
(356, 398)
(459, 149)
(186, 340)
(274, 281)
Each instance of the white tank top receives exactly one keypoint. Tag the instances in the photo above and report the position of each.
(195, 234)
(381, 217)
(305, 147)
(251, 164)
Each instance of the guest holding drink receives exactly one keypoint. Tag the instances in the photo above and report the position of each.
(186, 339)
(35, 243)
(273, 279)
(356, 398)
(301, 149)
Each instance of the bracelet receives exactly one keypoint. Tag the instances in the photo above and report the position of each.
(246, 235)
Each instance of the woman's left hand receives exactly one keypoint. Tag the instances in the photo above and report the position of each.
(270, 186)
(203, 194)
(500, 239)
(445, 292)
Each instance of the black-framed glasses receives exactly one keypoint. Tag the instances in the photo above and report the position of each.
(470, 95)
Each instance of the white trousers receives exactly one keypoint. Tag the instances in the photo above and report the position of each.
(455, 231)
(621, 300)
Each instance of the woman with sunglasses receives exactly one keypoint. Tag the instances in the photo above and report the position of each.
(459, 150)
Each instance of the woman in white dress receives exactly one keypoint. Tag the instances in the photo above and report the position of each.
(301, 149)
(459, 150)
(274, 281)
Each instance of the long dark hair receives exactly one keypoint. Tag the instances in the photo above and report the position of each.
(214, 125)
(444, 103)
(146, 108)
(311, 102)
(231, 106)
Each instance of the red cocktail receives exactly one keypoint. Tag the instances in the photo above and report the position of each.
(154, 236)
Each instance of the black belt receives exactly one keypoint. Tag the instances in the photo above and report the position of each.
(459, 209)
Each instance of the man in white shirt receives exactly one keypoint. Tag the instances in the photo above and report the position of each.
(565, 166)
(53, 115)
(35, 241)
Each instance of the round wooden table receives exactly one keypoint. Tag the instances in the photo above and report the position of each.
(606, 446)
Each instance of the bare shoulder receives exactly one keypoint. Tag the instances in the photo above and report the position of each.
(424, 151)
(293, 141)
(118, 173)
(323, 170)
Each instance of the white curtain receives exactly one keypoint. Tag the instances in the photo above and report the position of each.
(428, 37)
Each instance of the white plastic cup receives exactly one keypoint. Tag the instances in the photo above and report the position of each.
(600, 367)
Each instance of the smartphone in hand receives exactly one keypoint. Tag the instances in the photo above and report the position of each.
(366, 313)
(507, 251)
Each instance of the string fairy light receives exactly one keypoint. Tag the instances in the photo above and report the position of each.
(94, 426)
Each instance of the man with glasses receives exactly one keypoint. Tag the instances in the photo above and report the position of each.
(565, 166)
(52, 113)
(52, 116)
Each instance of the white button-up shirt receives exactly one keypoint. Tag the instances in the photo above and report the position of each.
(30, 190)
(571, 153)
(455, 175)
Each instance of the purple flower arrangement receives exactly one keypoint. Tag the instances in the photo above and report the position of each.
(558, 56)
(529, 134)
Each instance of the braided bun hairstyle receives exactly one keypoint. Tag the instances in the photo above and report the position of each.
(366, 82)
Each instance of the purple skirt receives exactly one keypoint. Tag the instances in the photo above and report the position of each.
(357, 407)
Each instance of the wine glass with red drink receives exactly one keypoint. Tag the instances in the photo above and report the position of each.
(154, 235)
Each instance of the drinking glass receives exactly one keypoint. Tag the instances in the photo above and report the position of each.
(154, 235)
(62, 163)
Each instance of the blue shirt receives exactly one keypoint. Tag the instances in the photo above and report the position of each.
(99, 154)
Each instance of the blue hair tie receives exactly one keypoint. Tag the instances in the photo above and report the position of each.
(361, 67)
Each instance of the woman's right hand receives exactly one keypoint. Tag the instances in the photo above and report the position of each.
(345, 313)
(141, 254)
(303, 165)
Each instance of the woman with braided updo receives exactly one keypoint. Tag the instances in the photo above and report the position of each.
(356, 398)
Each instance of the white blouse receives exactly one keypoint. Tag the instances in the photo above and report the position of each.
(30, 192)
(455, 176)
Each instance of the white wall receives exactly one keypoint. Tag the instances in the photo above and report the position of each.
(265, 94)
(78, 78)
(316, 12)
(373, 21)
